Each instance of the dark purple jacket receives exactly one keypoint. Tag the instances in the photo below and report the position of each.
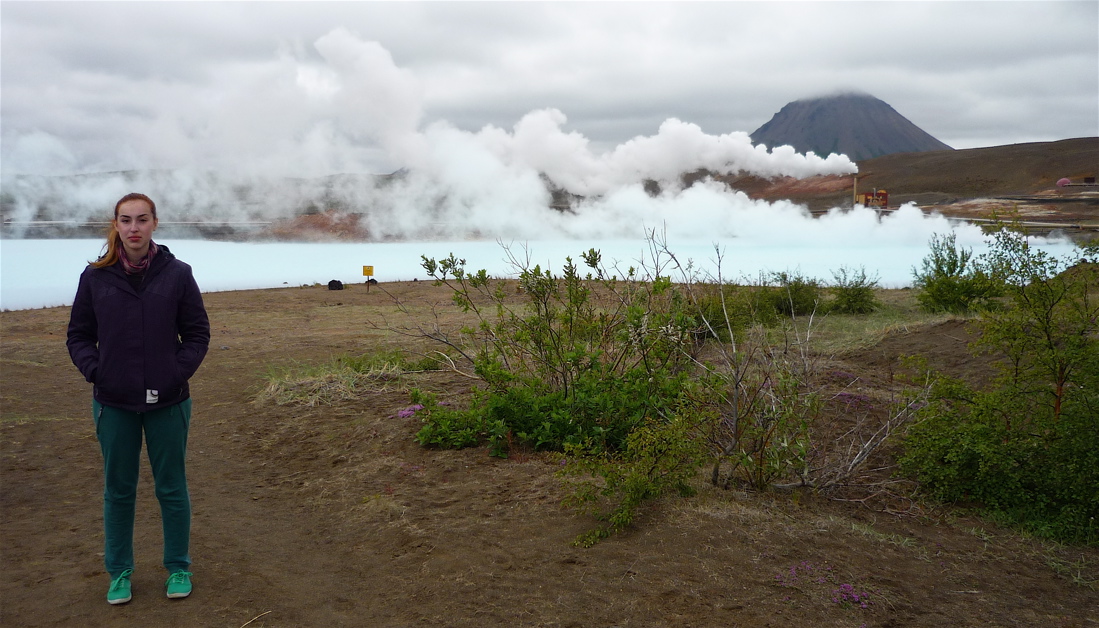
(139, 348)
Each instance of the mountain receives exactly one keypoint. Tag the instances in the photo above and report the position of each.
(857, 125)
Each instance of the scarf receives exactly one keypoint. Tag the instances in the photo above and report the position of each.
(141, 266)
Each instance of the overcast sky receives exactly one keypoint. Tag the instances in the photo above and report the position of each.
(95, 86)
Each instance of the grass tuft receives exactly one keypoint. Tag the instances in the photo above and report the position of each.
(328, 384)
(836, 334)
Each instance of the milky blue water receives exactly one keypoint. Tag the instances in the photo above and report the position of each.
(44, 273)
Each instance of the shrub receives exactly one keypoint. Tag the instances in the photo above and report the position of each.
(574, 365)
(853, 292)
(1027, 449)
(1043, 477)
(447, 427)
(602, 408)
(795, 294)
(659, 457)
(763, 414)
(949, 281)
(725, 311)
(608, 371)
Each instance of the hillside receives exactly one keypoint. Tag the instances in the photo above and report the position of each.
(970, 183)
(857, 125)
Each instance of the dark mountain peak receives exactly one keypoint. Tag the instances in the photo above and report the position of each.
(855, 124)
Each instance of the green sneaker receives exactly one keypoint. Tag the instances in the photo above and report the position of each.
(119, 593)
(179, 584)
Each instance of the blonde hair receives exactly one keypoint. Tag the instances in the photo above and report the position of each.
(114, 240)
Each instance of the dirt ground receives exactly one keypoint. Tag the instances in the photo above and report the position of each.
(332, 515)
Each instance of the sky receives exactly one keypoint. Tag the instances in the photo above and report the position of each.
(320, 87)
(242, 112)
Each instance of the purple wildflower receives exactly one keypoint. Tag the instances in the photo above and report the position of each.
(409, 411)
(847, 595)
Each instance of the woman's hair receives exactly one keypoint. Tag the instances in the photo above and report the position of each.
(114, 240)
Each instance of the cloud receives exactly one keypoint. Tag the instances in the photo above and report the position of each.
(103, 77)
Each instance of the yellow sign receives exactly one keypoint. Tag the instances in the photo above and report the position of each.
(368, 271)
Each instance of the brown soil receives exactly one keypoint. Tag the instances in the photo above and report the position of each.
(332, 515)
(322, 226)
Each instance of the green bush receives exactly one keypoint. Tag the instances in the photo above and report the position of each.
(608, 370)
(447, 427)
(602, 408)
(725, 311)
(773, 439)
(659, 457)
(1026, 449)
(950, 281)
(571, 366)
(1038, 473)
(795, 294)
(853, 292)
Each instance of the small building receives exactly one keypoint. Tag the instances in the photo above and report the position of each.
(878, 199)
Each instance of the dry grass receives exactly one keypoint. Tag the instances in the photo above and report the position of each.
(325, 385)
(837, 334)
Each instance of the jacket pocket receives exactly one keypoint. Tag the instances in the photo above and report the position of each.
(97, 414)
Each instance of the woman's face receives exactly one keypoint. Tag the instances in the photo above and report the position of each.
(135, 223)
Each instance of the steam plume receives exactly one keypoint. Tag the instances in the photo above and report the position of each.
(270, 147)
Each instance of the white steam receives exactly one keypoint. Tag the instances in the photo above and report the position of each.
(269, 147)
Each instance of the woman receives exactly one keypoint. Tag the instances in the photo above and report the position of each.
(138, 331)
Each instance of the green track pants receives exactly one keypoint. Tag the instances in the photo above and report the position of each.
(120, 434)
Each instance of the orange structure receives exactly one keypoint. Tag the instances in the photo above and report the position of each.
(878, 199)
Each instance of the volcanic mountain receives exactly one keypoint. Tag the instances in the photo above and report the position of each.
(857, 125)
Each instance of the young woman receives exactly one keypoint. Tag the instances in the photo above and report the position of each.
(138, 331)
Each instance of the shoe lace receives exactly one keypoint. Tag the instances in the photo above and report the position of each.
(121, 580)
(179, 577)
